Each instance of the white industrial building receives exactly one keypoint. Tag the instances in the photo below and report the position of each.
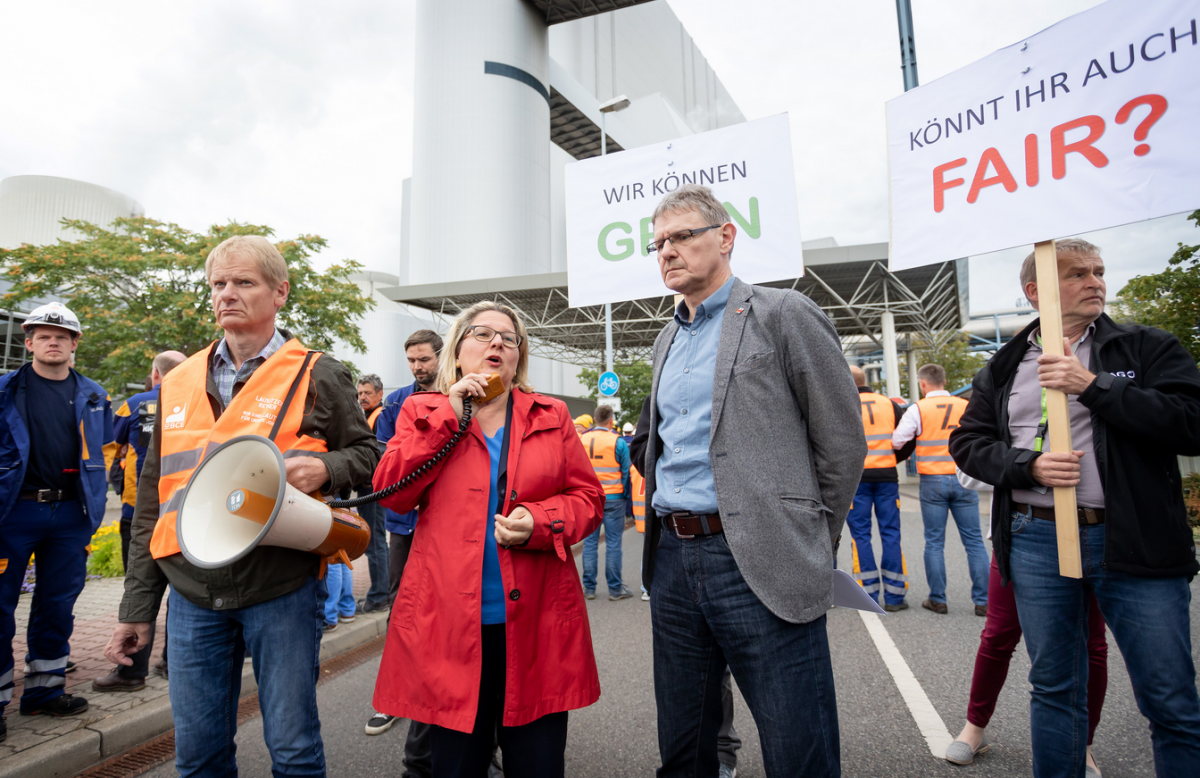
(31, 211)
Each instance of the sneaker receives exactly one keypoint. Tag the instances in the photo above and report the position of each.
(380, 723)
(160, 667)
(645, 596)
(70, 667)
(895, 607)
(115, 682)
(62, 705)
(622, 594)
(589, 594)
(727, 771)
(346, 619)
(329, 627)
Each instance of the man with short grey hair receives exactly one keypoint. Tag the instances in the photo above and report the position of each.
(1133, 396)
(742, 505)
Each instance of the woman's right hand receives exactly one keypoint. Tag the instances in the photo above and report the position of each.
(471, 385)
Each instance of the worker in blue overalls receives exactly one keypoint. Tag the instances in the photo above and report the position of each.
(54, 425)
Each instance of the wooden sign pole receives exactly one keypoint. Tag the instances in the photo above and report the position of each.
(1058, 415)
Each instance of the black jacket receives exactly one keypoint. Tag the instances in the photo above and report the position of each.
(1145, 406)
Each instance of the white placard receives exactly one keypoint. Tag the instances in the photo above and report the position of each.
(610, 201)
(1089, 124)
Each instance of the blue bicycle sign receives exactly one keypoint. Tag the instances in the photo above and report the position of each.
(609, 384)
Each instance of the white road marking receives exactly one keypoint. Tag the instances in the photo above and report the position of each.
(933, 729)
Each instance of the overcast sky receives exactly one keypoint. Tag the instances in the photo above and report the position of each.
(298, 115)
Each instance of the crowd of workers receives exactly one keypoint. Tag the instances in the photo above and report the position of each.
(489, 646)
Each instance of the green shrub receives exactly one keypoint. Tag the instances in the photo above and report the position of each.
(105, 560)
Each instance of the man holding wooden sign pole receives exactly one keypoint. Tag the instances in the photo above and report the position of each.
(1132, 397)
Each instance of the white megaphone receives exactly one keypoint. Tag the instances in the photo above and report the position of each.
(239, 498)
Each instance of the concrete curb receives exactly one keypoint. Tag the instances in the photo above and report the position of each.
(105, 738)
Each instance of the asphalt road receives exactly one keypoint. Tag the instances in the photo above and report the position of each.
(616, 736)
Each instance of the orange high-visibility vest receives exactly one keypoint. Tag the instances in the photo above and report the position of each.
(601, 446)
(939, 416)
(879, 422)
(373, 416)
(190, 432)
(639, 499)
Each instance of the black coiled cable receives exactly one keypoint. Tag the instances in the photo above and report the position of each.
(409, 479)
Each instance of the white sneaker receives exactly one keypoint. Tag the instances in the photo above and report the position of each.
(380, 723)
(727, 771)
(645, 596)
(346, 619)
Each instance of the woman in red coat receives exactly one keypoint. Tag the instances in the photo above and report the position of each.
(489, 633)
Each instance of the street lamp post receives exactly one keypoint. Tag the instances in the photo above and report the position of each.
(612, 106)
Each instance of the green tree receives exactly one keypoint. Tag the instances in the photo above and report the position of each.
(951, 350)
(1169, 300)
(139, 288)
(636, 378)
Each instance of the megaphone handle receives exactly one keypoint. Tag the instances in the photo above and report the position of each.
(341, 552)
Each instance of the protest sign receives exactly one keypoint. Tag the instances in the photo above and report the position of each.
(610, 201)
(1088, 124)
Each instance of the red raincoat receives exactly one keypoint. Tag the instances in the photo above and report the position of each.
(432, 661)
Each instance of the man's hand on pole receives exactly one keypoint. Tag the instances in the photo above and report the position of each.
(127, 640)
(1064, 373)
(1052, 469)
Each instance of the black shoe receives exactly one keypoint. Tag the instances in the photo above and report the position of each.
(62, 705)
(160, 667)
(115, 682)
(70, 667)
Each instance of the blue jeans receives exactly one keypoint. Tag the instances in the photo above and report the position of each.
(377, 556)
(1149, 618)
(58, 534)
(885, 498)
(207, 650)
(942, 494)
(705, 617)
(614, 530)
(339, 581)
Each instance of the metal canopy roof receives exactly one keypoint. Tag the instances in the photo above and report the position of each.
(851, 283)
(574, 132)
(557, 11)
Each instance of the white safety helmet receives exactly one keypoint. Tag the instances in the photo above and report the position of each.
(55, 315)
(628, 428)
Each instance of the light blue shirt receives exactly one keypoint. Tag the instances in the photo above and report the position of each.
(683, 473)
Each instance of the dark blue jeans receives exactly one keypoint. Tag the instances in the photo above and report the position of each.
(377, 555)
(614, 530)
(58, 534)
(942, 494)
(704, 616)
(207, 651)
(1149, 618)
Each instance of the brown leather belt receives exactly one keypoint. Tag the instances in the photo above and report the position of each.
(48, 495)
(689, 525)
(1087, 516)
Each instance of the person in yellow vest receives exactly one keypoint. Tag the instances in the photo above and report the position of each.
(610, 459)
(930, 424)
(370, 399)
(256, 380)
(879, 488)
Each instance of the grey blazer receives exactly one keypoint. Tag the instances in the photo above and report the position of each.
(786, 446)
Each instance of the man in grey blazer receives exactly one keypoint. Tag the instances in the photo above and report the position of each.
(754, 453)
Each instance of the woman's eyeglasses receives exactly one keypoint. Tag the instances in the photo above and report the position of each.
(485, 334)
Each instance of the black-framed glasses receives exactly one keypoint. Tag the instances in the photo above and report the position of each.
(485, 334)
(681, 238)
